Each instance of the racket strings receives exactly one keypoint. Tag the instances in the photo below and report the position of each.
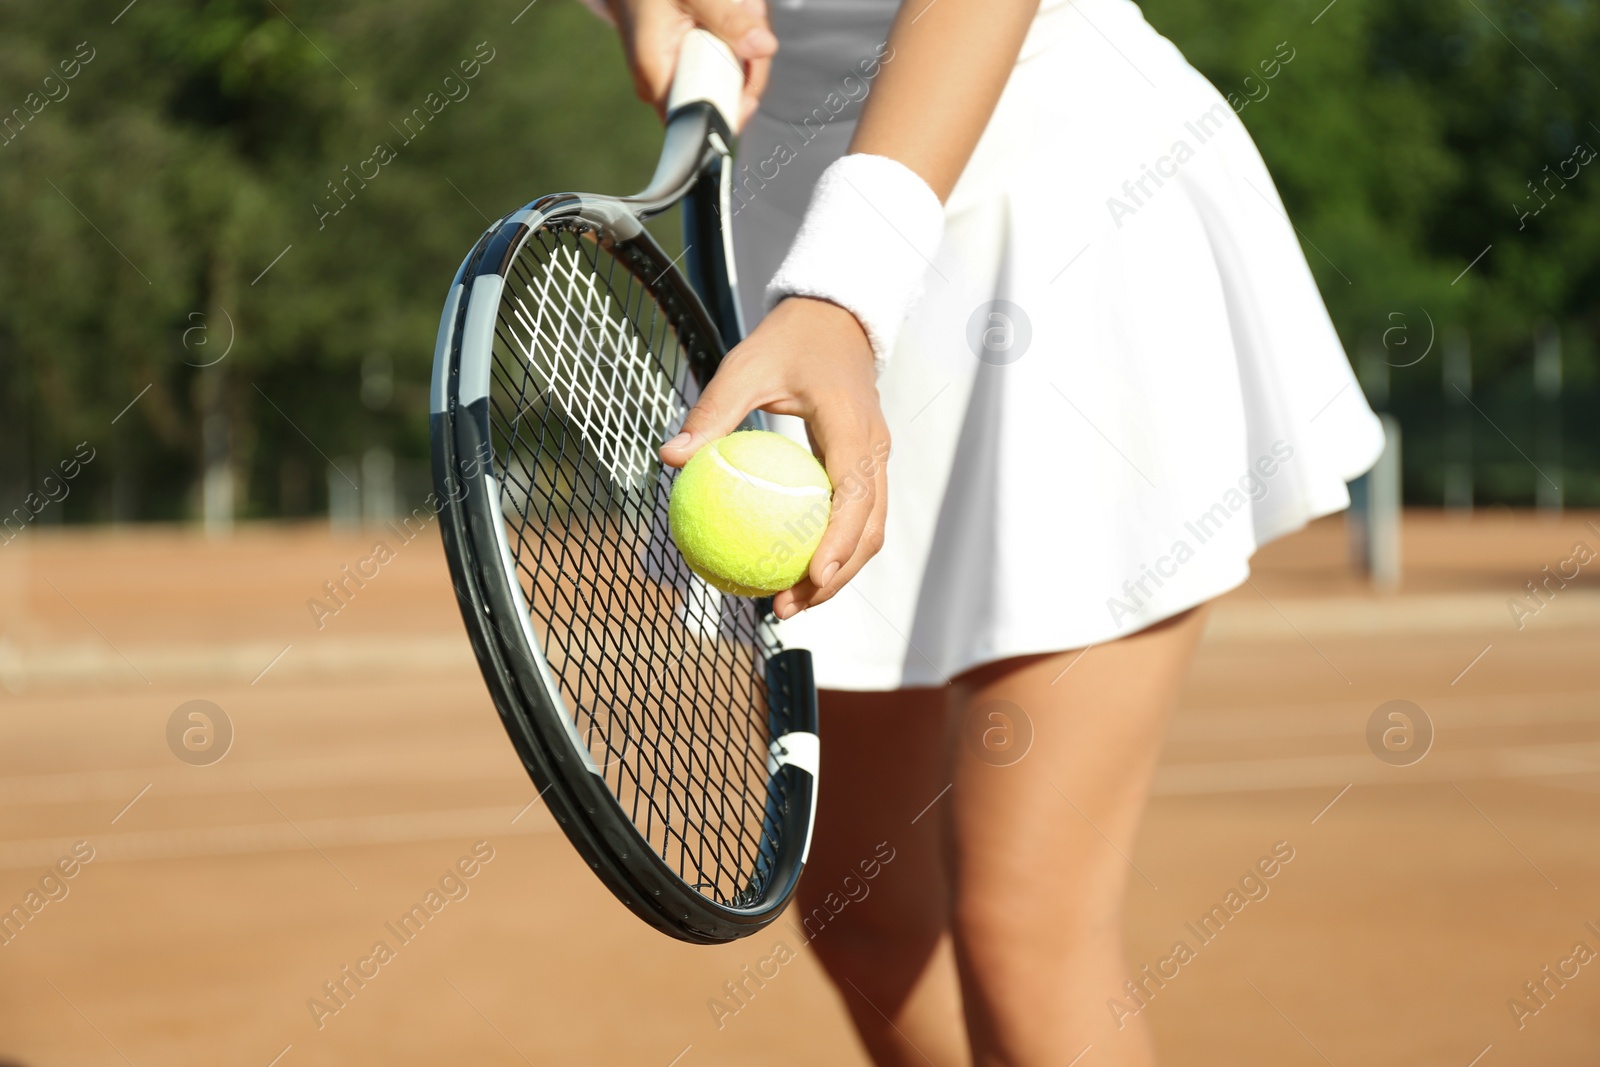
(592, 338)
(588, 377)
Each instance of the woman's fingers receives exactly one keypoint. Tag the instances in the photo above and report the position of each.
(855, 528)
(652, 36)
(653, 32)
(756, 73)
(870, 540)
(847, 455)
(742, 24)
(861, 537)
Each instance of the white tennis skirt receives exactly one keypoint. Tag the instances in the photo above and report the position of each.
(1121, 378)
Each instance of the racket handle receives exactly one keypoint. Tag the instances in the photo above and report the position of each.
(708, 71)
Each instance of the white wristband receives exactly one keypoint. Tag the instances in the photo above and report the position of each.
(868, 237)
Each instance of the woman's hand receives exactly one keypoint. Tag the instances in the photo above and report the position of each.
(809, 358)
(652, 30)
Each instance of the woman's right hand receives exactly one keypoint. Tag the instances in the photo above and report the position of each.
(652, 31)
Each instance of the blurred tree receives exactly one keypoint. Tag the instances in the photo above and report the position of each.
(291, 184)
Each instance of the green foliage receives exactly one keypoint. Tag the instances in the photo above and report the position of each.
(204, 140)
(208, 177)
(1403, 137)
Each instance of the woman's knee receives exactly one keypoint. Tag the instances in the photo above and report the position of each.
(1018, 931)
(878, 931)
(881, 961)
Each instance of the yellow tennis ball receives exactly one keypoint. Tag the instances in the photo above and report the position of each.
(748, 512)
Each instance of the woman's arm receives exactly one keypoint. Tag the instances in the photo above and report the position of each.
(930, 105)
(810, 357)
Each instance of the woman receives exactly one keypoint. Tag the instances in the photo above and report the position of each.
(1034, 247)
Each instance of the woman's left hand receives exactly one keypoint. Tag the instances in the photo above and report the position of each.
(809, 358)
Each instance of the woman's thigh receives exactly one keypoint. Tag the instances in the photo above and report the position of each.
(875, 884)
(1042, 839)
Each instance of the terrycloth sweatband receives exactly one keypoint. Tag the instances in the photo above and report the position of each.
(869, 235)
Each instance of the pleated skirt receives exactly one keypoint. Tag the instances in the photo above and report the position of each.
(1121, 378)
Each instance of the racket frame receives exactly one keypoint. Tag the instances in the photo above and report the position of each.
(696, 170)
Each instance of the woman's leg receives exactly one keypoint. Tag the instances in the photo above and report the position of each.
(1041, 848)
(873, 901)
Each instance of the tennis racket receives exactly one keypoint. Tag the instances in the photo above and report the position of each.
(671, 735)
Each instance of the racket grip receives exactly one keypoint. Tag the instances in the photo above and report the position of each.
(708, 71)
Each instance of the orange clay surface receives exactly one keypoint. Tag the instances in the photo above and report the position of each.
(367, 762)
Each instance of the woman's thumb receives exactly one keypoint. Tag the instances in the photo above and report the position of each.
(721, 408)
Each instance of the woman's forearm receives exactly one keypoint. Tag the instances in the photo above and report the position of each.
(931, 104)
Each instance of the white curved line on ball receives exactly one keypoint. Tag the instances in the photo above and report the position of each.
(762, 483)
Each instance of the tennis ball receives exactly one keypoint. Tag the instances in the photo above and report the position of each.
(748, 512)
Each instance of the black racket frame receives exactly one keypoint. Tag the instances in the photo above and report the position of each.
(694, 159)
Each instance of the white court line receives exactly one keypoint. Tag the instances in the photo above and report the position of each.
(259, 838)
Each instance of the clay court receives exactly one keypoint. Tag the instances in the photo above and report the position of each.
(367, 768)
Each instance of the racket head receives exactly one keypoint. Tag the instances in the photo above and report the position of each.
(669, 732)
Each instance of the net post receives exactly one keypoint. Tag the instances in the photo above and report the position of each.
(1375, 510)
(1547, 381)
